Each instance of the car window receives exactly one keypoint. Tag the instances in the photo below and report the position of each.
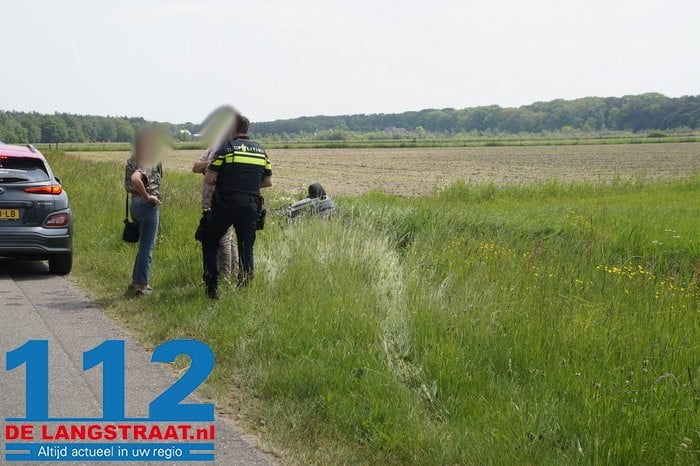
(19, 169)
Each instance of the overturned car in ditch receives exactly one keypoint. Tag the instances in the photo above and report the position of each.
(317, 203)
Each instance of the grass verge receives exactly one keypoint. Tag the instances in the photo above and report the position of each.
(542, 324)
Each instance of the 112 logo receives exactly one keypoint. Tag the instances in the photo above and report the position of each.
(168, 406)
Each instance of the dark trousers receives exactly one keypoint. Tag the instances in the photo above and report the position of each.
(243, 218)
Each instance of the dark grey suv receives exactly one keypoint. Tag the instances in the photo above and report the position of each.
(35, 218)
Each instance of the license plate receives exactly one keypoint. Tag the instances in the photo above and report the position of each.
(9, 214)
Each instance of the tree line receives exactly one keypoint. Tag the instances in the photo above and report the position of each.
(32, 127)
(634, 113)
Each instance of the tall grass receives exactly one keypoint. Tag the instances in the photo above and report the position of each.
(541, 324)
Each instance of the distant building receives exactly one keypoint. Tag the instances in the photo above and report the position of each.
(394, 130)
(184, 135)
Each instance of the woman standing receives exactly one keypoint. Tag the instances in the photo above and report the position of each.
(142, 180)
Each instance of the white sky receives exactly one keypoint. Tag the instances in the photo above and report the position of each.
(177, 60)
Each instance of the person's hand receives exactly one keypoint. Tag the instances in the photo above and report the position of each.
(153, 200)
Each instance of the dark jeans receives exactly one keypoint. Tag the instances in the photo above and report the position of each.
(243, 218)
(147, 215)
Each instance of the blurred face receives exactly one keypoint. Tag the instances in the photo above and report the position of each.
(231, 130)
(218, 127)
(149, 147)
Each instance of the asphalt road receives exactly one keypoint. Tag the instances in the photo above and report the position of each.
(37, 305)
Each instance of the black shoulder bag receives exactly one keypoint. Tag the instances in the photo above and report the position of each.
(131, 229)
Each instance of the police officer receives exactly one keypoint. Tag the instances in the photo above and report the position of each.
(240, 168)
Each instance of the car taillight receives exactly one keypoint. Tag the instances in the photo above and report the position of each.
(57, 220)
(51, 189)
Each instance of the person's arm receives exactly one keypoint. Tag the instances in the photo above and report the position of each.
(140, 188)
(212, 172)
(200, 165)
(267, 177)
(210, 177)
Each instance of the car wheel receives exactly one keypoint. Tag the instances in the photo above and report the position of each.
(61, 264)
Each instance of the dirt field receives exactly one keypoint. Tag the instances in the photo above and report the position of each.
(420, 171)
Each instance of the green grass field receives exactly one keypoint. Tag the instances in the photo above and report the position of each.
(544, 324)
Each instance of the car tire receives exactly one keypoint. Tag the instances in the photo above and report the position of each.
(61, 264)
